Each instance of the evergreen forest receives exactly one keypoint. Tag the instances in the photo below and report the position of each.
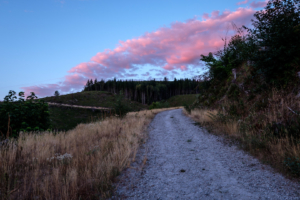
(145, 92)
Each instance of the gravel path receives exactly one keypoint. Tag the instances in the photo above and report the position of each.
(186, 162)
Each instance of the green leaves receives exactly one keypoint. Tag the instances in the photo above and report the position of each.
(277, 29)
(23, 115)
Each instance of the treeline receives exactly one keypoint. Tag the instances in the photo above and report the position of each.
(145, 92)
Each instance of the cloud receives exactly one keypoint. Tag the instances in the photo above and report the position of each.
(174, 48)
(131, 75)
(146, 74)
(254, 4)
(259, 4)
(242, 2)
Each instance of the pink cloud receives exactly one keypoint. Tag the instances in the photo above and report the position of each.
(242, 2)
(177, 47)
(205, 16)
(259, 4)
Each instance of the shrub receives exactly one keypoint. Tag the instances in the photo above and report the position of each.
(56, 93)
(21, 115)
(120, 108)
(162, 104)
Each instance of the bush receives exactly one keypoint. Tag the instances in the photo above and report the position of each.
(120, 108)
(56, 93)
(162, 104)
(21, 115)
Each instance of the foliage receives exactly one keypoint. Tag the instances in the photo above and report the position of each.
(188, 108)
(56, 93)
(276, 33)
(22, 115)
(181, 100)
(67, 118)
(220, 64)
(266, 58)
(162, 104)
(120, 108)
(145, 92)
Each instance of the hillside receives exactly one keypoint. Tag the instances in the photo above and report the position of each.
(181, 100)
(66, 118)
(94, 98)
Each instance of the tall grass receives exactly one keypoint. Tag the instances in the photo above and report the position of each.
(78, 164)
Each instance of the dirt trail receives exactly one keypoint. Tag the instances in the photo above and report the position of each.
(76, 106)
(186, 162)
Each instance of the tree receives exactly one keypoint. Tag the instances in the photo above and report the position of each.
(56, 93)
(20, 115)
(276, 34)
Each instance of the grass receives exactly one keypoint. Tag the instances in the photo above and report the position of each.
(78, 164)
(94, 98)
(66, 118)
(276, 147)
(181, 100)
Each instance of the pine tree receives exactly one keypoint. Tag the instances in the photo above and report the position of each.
(278, 43)
(56, 93)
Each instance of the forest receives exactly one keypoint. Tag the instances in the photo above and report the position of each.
(145, 92)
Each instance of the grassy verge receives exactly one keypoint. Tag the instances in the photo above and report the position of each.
(77, 164)
(270, 134)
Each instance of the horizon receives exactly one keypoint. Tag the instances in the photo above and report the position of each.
(59, 45)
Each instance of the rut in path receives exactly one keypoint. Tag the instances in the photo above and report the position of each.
(186, 162)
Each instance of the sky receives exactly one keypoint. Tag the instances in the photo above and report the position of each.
(49, 45)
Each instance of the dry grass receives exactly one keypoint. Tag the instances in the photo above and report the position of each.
(280, 109)
(207, 117)
(203, 115)
(78, 164)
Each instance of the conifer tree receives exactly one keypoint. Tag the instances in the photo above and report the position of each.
(274, 32)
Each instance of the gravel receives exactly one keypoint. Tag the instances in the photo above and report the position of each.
(183, 161)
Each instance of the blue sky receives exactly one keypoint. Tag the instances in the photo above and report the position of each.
(49, 45)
